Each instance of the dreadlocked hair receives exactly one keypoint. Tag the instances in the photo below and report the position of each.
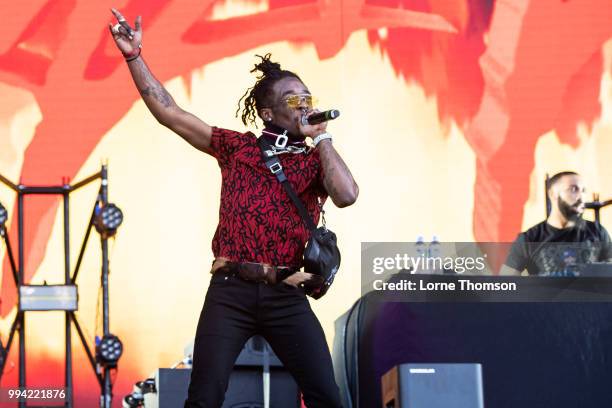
(261, 95)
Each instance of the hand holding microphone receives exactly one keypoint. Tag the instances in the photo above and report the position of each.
(318, 122)
(320, 117)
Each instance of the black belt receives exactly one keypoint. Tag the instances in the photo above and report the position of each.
(255, 272)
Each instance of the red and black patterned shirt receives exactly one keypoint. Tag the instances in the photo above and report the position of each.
(257, 220)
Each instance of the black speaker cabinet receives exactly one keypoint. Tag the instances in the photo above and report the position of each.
(245, 388)
(433, 386)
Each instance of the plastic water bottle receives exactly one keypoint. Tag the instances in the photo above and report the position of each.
(435, 249)
(435, 252)
(420, 251)
(420, 247)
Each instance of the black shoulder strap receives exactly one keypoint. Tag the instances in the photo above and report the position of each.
(274, 165)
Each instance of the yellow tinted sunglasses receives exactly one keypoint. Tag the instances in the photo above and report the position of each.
(296, 101)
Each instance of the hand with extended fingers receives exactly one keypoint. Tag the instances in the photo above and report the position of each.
(127, 39)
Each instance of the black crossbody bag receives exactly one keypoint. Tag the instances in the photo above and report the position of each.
(321, 255)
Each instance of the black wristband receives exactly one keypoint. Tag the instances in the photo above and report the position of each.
(135, 56)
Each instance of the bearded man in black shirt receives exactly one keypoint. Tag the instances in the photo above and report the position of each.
(564, 241)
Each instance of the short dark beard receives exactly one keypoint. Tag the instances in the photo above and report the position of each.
(568, 211)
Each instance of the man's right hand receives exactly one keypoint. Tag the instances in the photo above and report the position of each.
(303, 278)
(129, 43)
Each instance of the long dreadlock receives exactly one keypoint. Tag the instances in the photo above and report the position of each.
(260, 95)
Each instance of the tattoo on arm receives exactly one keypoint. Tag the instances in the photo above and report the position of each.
(332, 163)
(159, 93)
(153, 88)
(328, 178)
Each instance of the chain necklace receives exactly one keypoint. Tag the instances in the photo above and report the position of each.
(281, 147)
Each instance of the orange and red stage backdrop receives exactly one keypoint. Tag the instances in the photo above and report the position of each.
(453, 111)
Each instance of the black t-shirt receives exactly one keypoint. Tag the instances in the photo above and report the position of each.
(546, 250)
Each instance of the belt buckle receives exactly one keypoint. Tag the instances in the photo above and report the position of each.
(256, 272)
(269, 274)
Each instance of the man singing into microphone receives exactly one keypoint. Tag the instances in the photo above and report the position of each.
(564, 241)
(260, 230)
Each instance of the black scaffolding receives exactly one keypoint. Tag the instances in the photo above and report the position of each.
(102, 374)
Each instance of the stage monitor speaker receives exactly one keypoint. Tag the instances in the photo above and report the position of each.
(433, 386)
(245, 389)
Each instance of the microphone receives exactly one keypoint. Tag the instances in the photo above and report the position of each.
(320, 117)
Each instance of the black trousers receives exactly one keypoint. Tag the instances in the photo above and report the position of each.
(235, 310)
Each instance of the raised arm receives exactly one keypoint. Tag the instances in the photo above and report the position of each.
(161, 104)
